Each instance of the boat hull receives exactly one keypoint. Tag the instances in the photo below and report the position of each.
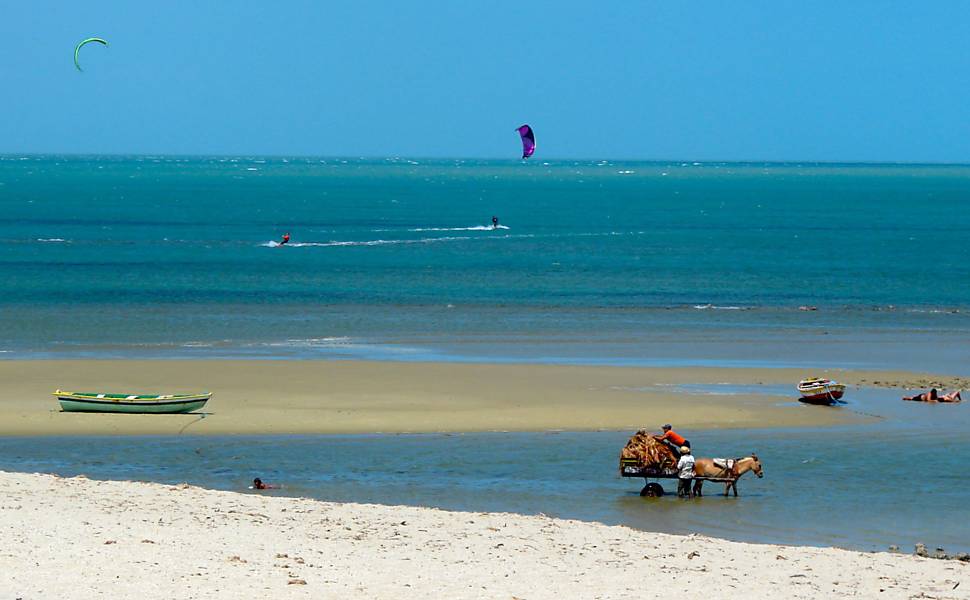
(823, 394)
(174, 406)
(818, 390)
(822, 397)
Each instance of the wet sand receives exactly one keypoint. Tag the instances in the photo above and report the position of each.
(79, 538)
(276, 397)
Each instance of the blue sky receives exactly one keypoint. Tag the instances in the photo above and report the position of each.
(770, 80)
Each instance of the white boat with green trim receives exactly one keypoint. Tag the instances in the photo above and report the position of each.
(130, 403)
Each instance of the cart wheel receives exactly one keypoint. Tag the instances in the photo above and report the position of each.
(652, 490)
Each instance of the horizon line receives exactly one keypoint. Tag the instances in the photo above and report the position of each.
(482, 158)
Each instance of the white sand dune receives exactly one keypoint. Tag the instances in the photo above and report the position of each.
(77, 538)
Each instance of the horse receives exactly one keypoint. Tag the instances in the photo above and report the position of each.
(705, 467)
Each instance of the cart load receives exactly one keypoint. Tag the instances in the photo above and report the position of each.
(645, 455)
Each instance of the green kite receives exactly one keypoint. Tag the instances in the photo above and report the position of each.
(78, 49)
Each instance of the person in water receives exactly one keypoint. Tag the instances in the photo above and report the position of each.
(685, 473)
(259, 485)
(672, 439)
(286, 238)
(494, 222)
(933, 396)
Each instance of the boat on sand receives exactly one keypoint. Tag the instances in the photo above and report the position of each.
(130, 403)
(817, 390)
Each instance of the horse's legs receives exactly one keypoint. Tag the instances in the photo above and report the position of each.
(698, 485)
(727, 487)
(734, 486)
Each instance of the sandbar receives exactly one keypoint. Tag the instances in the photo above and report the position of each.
(299, 397)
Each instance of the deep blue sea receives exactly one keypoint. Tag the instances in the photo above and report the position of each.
(597, 262)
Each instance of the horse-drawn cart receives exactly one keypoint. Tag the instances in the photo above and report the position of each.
(644, 456)
(631, 467)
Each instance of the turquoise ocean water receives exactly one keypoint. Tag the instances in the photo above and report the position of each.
(597, 262)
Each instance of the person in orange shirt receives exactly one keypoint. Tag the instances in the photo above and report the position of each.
(673, 439)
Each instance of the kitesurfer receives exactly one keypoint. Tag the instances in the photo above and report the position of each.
(494, 222)
(528, 140)
(286, 238)
(77, 49)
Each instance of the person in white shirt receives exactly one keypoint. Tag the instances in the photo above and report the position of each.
(685, 473)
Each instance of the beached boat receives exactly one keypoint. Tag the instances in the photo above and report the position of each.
(130, 403)
(816, 390)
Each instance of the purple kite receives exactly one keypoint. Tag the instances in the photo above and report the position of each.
(528, 141)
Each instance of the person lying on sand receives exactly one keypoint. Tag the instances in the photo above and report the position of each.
(933, 396)
(259, 485)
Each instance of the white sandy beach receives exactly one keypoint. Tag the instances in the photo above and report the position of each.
(79, 538)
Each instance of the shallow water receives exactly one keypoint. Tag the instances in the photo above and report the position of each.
(901, 480)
